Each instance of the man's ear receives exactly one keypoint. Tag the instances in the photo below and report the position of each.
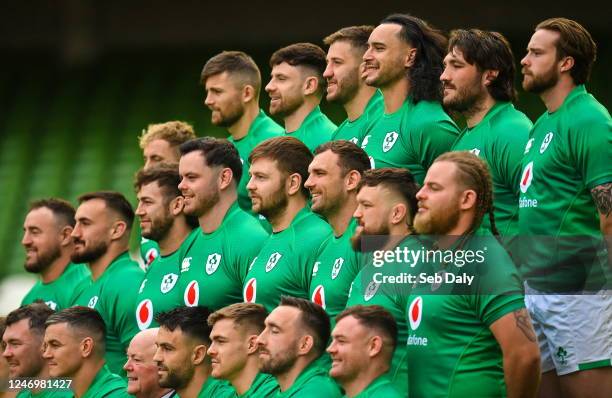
(410, 58)
(293, 184)
(351, 180)
(306, 344)
(65, 236)
(199, 354)
(118, 229)
(311, 85)
(398, 213)
(86, 347)
(248, 93)
(468, 199)
(566, 64)
(252, 344)
(489, 77)
(176, 206)
(225, 178)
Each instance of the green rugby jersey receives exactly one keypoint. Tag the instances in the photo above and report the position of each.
(113, 295)
(354, 130)
(214, 269)
(451, 349)
(381, 387)
(284, 264)
(410, 138)
(158, 291)
(215, 388)
(315, 129)
(262, 128)
(335, 268)
(500, 140)
(63, 291)
(368, 289)
(107, 385)
(569, 152)
(313, 382)
(263, 386)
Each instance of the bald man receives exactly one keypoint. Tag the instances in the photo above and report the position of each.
(142, 369)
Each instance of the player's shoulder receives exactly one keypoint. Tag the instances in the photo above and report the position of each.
(320, 385)
(426, 111)
(77, 272)
(509, 121)
(242, 225)
(583, 110)
(267, 129)
(309, 222)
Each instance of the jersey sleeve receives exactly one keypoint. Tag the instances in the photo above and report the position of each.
(590, 142)
(509, 150)
(247, 250)
(310, 243)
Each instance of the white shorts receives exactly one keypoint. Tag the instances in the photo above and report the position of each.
(574, 331)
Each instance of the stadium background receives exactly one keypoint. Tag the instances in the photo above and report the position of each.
(81, 79)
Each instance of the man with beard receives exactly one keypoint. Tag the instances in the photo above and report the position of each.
(160, 209)
(362, 346)
(48, 244)
(363, 104)
(296, 88)
(215, 266)
(74, 346)
(386, 207)
(234, 351)
(566, 194)
(478, 81)
(335, 173)
(404, 61)
(142, 369)
(279, 167)
(182, 363)
(469, 329)
(101, 238)
(232, 81)
(160, 144)
(291, 348)
(23, 343)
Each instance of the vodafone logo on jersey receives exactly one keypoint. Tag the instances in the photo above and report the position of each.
(415, 312)
(150, 256)
(527, 177)
(192, 294)
(144, 314)
(318, 296)
(250, 291)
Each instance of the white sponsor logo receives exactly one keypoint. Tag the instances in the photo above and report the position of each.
(337, 267)
(389, 141)
(252, 263)
(142, 285)
(51, 304)
(168, 282)
(527, 177)
(546, 142)
(476, 151)
(212, 263)
(365, 141)
(273, 260)
(354, 140)
(315, 268)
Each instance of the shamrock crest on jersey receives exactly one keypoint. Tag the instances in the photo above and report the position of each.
(273, 260)
(370, 290)
(168, 282)
(546, 142)
(144, 314)
(389, 141)
(337, 267)
(92, 302)
(318, 296)
(415, 312)
(212, 263)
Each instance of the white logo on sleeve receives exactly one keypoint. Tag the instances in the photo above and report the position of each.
(92, 302)
(51, 304)
(415, 312)
(527, 177)
(168, 282)
(186, 264)
(528, 146)
(546, 142)
(212, 263)
(273, 260)
(389, 141)
(365, 141)
(475, 151)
